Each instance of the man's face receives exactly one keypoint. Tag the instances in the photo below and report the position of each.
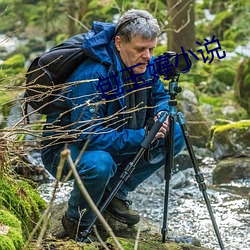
(138, 50)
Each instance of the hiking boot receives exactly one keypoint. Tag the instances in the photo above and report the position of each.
(75, 231)
(121, 211)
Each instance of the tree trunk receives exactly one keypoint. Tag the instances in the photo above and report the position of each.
(83, 7)
(72, 13)
(181, 25)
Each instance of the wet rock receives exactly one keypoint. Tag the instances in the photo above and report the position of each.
(231, 169)
(31, 167)
(232, 139)
(189, 96)
(181, 179)
(197, 125)
(188, 215)
(150, 234)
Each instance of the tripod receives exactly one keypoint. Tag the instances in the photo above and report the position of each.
(129, 169)
(173, 90)
(169, 163)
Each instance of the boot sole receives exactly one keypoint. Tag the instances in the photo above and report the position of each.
(121, 219)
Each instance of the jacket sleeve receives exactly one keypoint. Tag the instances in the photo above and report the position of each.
(160, 96)
(88, 118)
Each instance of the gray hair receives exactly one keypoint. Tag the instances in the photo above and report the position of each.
(137, 22)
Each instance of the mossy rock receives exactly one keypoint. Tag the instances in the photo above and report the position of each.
(21, 199)
(128, 244)
(221, 107)
(231, 139)
(150, 235)
(224, 75)
(13, 65)
(16, 61)
(13, 70)
(11, 237)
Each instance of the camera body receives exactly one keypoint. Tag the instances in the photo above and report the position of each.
(176, 64)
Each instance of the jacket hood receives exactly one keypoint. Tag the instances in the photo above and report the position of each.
(98, 42)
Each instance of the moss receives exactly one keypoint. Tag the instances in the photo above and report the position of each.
(128, 244)
(21, 199)
(9, 219)
(214, 101)
(238, 128)
(13, 71)
(224, 75)
(16, 61)
(13, 239)
(228, 45)
(221, 23)
(12, 67)
(212, 78)
(233, 125)
(66, 245)
(92, 246)
(16, 237)
(6, 243)
(242, 84)
(220, 103)
(221, 122)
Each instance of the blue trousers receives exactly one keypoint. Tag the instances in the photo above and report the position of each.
(100, 170)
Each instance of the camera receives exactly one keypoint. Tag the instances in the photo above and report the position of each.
(176, 64)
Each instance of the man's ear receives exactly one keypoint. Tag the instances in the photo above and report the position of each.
(118, 42)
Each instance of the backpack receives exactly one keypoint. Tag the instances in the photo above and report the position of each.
(47, 73)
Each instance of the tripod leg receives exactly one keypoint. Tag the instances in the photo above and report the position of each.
(168, 173)
(129, 169)
(199, 177)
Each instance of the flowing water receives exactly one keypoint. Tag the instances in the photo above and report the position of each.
(187, 212)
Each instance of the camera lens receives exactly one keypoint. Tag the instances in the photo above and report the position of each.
(184, 63)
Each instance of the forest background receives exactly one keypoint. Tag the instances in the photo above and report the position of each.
(39, 25)
(34, 26)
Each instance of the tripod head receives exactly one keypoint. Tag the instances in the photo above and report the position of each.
(174, 89)
(177, 64)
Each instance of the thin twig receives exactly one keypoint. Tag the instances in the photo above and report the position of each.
(99, 238)
(77, 21)
(66, 154)
(45, 217)
(137, 236)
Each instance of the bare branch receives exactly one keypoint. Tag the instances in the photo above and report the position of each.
(46, 215)
(77, 21)
(66, 154)
(177, 14)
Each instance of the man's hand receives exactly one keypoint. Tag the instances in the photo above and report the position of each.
(164, 128)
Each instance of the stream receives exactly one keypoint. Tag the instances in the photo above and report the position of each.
(187, 212)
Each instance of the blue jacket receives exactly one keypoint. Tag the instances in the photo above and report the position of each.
(91, 116)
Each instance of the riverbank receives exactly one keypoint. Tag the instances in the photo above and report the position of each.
(188, 216)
